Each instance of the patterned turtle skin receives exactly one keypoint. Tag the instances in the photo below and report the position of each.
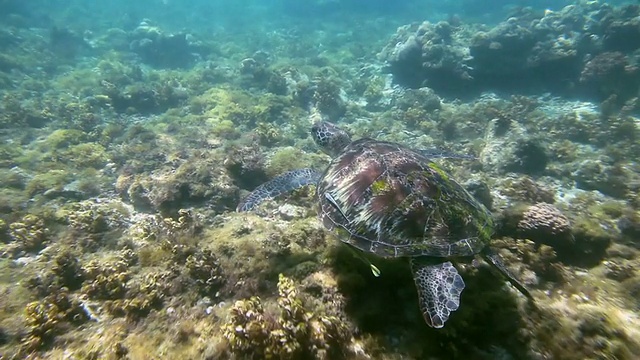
(386, 199)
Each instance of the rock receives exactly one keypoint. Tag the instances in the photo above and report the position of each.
(530, 49)
(527, 190)
(629, 226)
(162, 50)
(75, 190)
(622, 30)
(544, 223)
(527, 156)
(610, 73)
(423, 98)
(290, 212)
(596, 175)
(618, 270)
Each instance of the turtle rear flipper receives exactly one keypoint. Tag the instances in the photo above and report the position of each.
(282, 184)
(491, 257)
(439, 288)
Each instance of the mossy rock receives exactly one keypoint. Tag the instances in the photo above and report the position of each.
(13, 201)
(587, 332)
(50, 180)
(373, 92)
(591, 242)
(223, 128)
(63, 138)
(87, 155)
(221, 103)
(8, 155)
(13, 178)
(286, 159)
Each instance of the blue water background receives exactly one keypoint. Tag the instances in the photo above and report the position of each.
(242, 14)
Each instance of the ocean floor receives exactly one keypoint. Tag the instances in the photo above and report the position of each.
(124, 152)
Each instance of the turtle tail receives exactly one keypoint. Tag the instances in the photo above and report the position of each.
(279, 185)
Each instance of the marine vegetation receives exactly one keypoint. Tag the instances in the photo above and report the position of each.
(410, 208)
(294, 334)
(130, 132)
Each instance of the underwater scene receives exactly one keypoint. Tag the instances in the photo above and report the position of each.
(320, 179)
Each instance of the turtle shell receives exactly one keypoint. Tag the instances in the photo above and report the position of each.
(389, 200)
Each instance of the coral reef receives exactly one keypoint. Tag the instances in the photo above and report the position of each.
(529, 49)
(545, 223)
(328, 97)
(141, 298)
(68, 270)
(611, 74)
(172, 188)
(576, 330)
(47, 318)
(126, 143)
(106, 281)
(160, 49)
(27, 235)
(96, 217)
(246, 165)
(205, 269)
(295, 334)
(596, 175)
(527, 190)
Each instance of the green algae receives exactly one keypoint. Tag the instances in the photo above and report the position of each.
(50, 180)
(8, 155)
(379, 187)
(85, 155)
(288, 158)
(64, 140)
(295, 333)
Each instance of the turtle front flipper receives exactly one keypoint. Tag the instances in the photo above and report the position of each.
(284, 183)
(490, 256)
(440, 154)
(439, 287)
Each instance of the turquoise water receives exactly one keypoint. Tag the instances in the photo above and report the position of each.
(493, 211)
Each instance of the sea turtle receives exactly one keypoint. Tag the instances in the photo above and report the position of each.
(386, 199)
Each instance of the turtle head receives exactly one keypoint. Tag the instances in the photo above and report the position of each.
(330, 138)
